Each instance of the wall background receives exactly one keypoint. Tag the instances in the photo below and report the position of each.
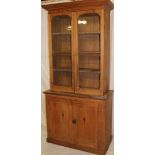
(45, 62)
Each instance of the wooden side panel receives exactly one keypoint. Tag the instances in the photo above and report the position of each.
(59, 117)
(50, 49)
(108, 119)
(101, 125)
(106, 50)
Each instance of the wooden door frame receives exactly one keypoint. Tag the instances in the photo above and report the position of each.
(54, 87)
(89, 91)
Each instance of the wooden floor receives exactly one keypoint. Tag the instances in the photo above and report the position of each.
(51, 149)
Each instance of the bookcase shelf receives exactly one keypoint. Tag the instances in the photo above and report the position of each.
(84, 70)
(89, 33)
(61, 33)
(62, 70)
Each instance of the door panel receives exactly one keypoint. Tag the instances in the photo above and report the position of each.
(59, 115)
(89, 53)
(85, 114)
(61, 58)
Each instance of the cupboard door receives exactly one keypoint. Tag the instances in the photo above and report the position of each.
(85, 117)
(59, 118)
(61, 53)
(89, 53)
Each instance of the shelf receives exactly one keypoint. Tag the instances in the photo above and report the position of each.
(61, 53)
(89, 33)
(83, 70)
(62, 70)
(88, 52)
(61, 33)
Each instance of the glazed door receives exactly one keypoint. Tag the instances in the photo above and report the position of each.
(89, 51)
(59, 119)
(61, 56)
(85, 117)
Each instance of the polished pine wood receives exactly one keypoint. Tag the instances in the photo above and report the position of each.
(59, 118)
(79, 6)
(78, 104)
(83, 123)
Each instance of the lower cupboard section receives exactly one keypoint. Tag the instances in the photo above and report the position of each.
(80, 123)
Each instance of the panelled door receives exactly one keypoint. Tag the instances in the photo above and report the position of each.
(59, 119)
(89, 52)
(85, 114)
(60, 41)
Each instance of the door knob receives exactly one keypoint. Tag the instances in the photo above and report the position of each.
(74, 121)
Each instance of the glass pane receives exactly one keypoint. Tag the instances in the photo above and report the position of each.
(61, 24)
(89, 43)
(62, 61)
(61, 49)
(62, 43)
(62, 78)
(89, 23)
(89, 51)
(89, 80)
(89, 61)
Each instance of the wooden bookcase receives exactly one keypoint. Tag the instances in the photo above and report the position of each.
(79, 103)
